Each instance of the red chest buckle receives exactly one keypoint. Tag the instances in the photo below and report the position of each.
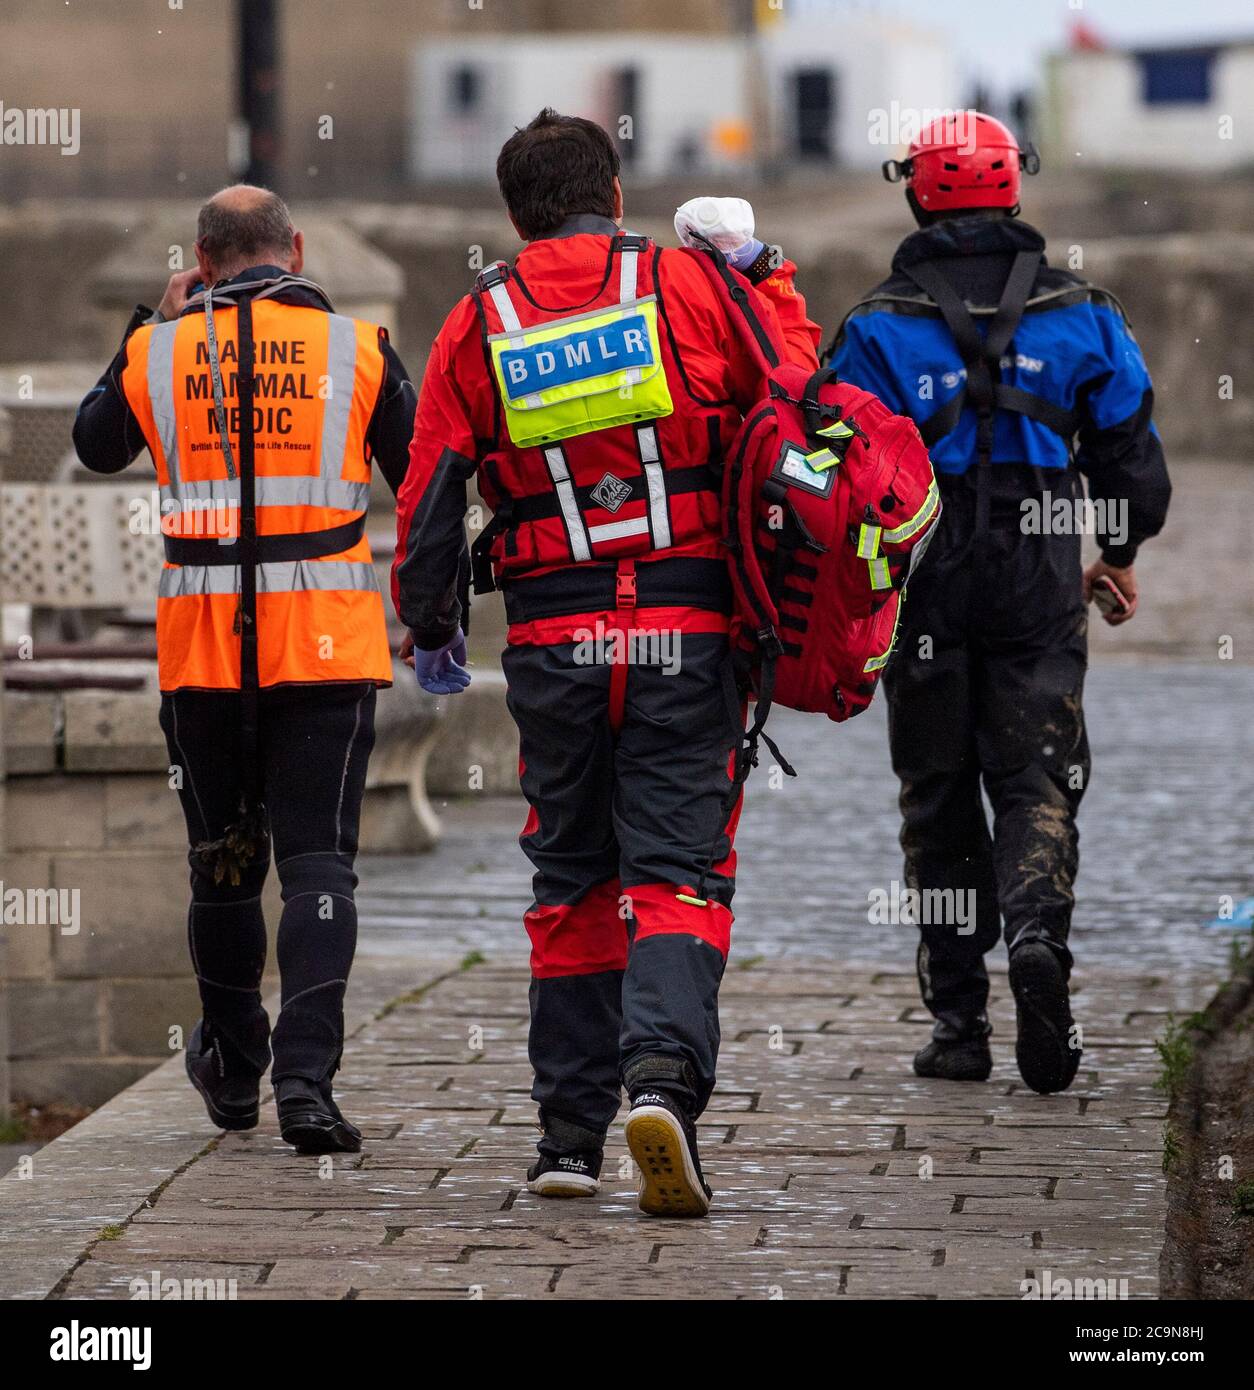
(625, 586)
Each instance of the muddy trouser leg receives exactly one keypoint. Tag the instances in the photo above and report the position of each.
(931, 690)
(681, 724)
(577, 929)
(316, 743)
(226, 932)
(1034, 749)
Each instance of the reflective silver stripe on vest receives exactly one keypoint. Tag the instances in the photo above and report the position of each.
(273, 577)
(270, 492)
(575, 532)
(615, 530)
(329, 489)
(161, 395)
(338, 406)
(626, 295)
(655, 477)
(513, 326)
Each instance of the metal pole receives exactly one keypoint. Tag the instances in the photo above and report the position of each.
(258, 31)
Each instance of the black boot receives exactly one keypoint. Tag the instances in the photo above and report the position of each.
(570, 1160)
(958, 1050)
(662, 1137)
(229, 1082)
(310, 1120)
(1047, 1052)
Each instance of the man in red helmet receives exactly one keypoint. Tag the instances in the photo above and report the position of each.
(592, 387)
(1021, 377)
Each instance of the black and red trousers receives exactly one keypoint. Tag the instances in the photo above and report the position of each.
(621, 684)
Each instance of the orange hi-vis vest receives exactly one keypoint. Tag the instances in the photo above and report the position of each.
(300, 484)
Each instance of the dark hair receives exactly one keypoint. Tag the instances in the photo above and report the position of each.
(230, 235)
(555, 167)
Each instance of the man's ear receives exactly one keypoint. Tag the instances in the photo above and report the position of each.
(297, 262)
(618, 202)
(207, 273)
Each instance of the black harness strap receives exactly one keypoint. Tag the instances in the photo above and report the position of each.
(248, 677)
(982, 359)
(246, 838)
(296, 545)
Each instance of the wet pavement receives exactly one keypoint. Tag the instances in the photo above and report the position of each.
(1165, 831)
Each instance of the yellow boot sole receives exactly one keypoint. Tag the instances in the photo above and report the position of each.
(669, 1185)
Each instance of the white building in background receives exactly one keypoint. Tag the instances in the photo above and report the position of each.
(1185, 106)
(833, 92)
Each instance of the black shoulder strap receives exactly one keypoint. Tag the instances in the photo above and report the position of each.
(749, 324)
(980, 356)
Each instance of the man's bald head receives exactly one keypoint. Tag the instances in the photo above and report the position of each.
(243, 226)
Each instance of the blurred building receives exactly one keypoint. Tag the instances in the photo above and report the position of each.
(809, 83)
(1187, 107)
(376, 92)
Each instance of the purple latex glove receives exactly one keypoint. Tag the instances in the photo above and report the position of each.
(443, 671)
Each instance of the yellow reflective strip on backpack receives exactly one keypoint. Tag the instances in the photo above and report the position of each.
(881, 577)
(919, 519)
(837, 430)
(868, 541)
(821, 459)
(877, 663)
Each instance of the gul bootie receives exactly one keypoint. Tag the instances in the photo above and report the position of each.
(310, 1120)
(1045, 1047)
(958, 1051)
(663, 1141)
(570, 1158)
(228, 1081)
(566, 1175)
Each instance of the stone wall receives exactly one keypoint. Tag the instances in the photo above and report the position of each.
(89, 811)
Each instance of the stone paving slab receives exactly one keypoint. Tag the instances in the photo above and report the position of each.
(837, 1172)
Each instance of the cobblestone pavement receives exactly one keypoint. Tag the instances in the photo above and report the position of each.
(1164, 831)
(837, 1172)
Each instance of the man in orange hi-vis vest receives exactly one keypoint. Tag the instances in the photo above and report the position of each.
(263, 410)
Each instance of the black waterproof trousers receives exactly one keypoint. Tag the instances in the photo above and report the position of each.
(985, 692)
(315, 742)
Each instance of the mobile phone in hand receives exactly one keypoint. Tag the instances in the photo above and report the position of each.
(1109, 597)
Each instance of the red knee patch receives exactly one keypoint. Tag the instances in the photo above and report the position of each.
(657, 909)
(579, 938)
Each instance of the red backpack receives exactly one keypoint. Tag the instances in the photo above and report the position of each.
(829, 501)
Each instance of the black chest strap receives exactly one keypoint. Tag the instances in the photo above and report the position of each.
(984, 391)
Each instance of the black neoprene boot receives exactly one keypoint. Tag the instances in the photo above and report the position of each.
(958, 1050)
(310, 1120)
(1047, 1047)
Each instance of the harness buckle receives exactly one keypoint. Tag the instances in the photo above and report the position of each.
(625, 588)
(495, 274)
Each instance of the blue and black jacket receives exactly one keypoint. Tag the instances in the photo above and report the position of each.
(1072, 386)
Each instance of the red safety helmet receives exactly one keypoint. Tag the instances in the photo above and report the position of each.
(963, 160)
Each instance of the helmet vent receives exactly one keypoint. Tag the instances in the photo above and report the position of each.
(998, 164)
(953, 168)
